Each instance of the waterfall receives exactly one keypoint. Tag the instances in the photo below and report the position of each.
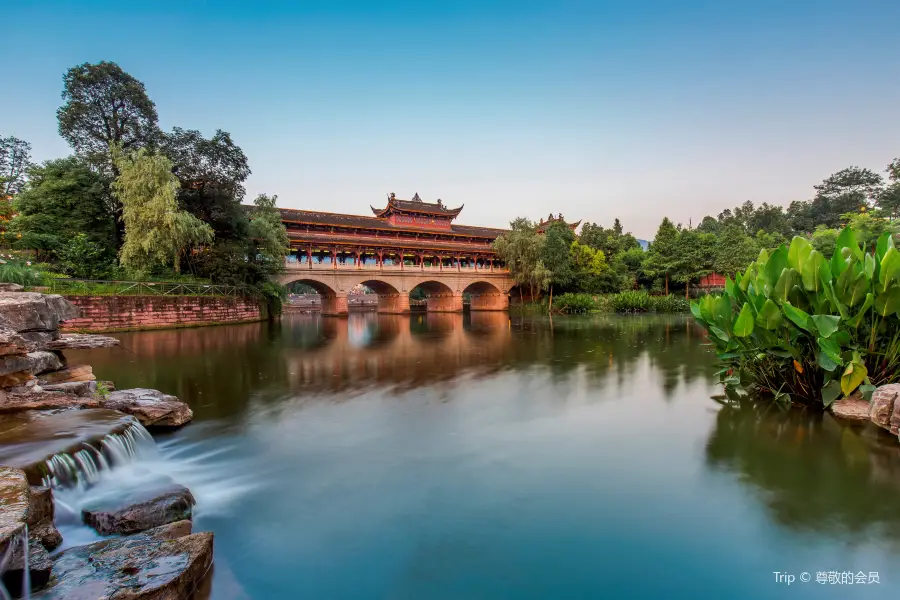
(84, 467)
(20, 541)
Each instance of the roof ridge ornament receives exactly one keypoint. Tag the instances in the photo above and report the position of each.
(416, 198)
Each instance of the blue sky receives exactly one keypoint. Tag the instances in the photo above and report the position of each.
(592, 109)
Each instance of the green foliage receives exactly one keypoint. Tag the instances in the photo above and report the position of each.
(662, 256)
(734, 250)
(82, 258)
(268, 233)
(102, 392)
(632, 301)
(521, 249)
(104, 106)
(156, 231)
(63, 198)
(670, 304)
(570, 303)
(17, 272)
(798, 326)
(556, 253)
(15, 159)
(588, 266)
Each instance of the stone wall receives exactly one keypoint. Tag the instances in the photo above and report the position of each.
(123, 313)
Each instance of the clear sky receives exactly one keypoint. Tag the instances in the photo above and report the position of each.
(592, 109)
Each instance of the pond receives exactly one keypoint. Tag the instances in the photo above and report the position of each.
(480, 455)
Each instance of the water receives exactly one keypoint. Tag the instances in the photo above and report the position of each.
(449, 456)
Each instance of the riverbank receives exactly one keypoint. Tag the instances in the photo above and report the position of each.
(635, 301)
(61, 429)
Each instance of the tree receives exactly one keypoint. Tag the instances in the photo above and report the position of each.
(862, 184)
(64, 197)
(555, 252)
(869, 228)
(888, 200)
(733, 250)
(694, 257)
(709, 225)
(268, 233)
(662, 255)
(520, 250)
(105, 106)
(15, 159)
(157, 232)
(588, 265)
(610, 241)
(824, 239)
(80, 257)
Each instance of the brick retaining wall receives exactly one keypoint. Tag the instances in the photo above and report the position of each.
(123, 313)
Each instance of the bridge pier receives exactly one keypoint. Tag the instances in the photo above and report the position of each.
(494, 301)
(444, 302)
(334, 305)
(393, 303)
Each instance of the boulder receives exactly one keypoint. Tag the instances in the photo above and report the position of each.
(35, 317)
(15, 379)
(83, 389)
(151, 407)
(171, 531)
(39, 568)
(13, 363)
(43, 361)
(131, 568)
(81, 341)
(854, 408)
(36, 398)
(11, 287)
(40, 518)
(14, 503)
(882, 409)
(13, 343)
(140, 511)
(70, 373)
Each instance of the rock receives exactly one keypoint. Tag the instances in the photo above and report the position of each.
(151, 407)
(84, 389)
(43, 361)
(82, 341)
(71, 373)
(14, 363)
(142, 510)
(171, 531)
(132, 569)
(35, 316)
(29, 438)
(39, 568)
(854, 408)
(14, 503)
(882, 409)
(40, 518)
(14, 379)
(36, 398)
(13, 343)
(11, 287)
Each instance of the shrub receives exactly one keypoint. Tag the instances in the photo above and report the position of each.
(799, 326)
(632, 301)
(574, 303)
(13, 272)
(670, 304)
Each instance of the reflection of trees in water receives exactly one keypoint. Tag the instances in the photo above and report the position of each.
(812, 472)
(216, 369)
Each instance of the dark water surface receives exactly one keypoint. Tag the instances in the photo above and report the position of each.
(468, 457)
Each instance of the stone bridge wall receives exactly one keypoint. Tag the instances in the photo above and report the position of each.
(444, 288)
(124, 313)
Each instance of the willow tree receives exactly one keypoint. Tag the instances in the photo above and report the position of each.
(520, 249)
(157, 232)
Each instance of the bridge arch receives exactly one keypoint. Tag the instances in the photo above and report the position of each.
(484, 295)
(439, 297)
(333, 302)
(390, 299)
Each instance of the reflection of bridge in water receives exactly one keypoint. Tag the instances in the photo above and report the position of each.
(406, 351)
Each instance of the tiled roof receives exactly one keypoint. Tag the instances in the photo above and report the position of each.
(341, 220)
(386, 242)
(416, 205)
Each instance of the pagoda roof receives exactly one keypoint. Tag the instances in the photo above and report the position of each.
(325, 239)
(543, 225)
(416, 205)
(290, 215)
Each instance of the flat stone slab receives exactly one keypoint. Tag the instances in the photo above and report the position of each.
(35, 316)
(151, 407)
(81, 341)
(27, 439)
(14, 503)
(853, 408)
(140, 510)
(70, 373)
(16, 401)
(131, 568)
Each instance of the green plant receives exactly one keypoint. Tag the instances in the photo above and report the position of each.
(798, 326)
(575, 303)
(14, 272)
(102, 391)
(632, 301)
(670, 304)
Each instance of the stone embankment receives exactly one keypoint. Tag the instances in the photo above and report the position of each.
(51, 411)
(883, 409)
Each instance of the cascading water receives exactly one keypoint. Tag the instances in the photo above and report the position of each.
(84, 468)
(19, 544)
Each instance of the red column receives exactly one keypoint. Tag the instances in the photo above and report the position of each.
(334, 258)
(309, 258)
